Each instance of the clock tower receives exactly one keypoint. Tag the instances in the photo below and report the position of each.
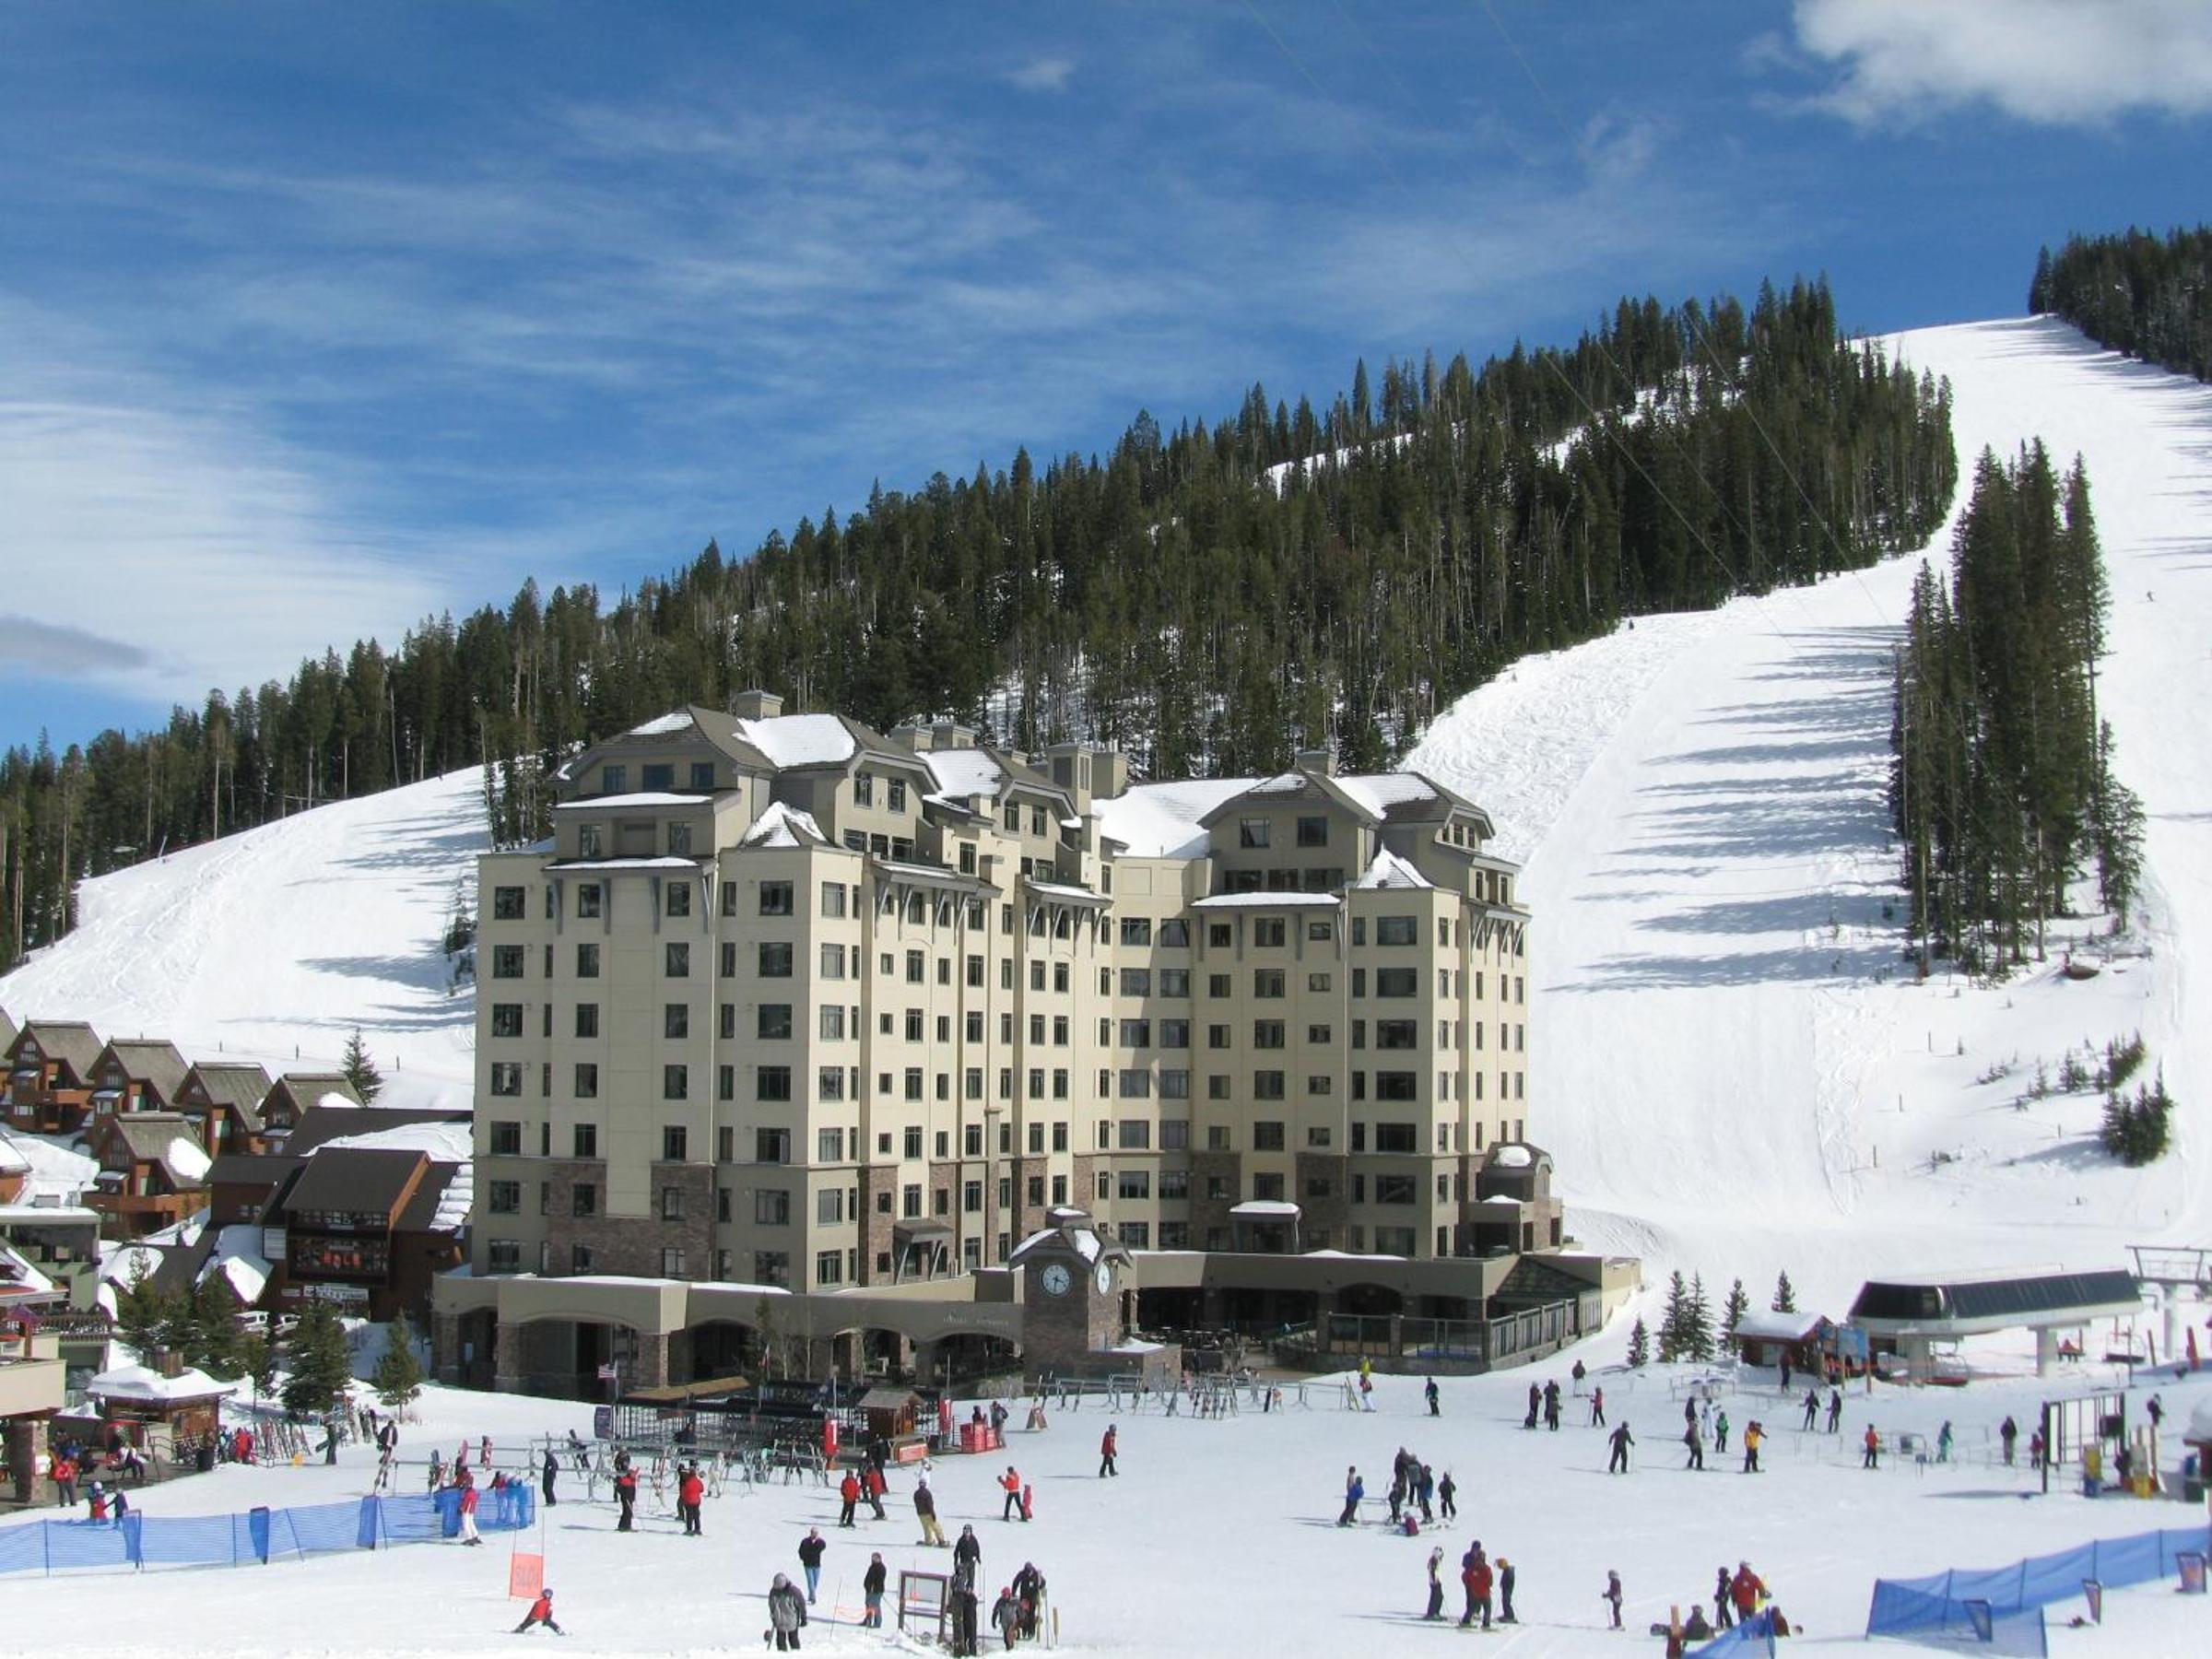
(1072, 1281)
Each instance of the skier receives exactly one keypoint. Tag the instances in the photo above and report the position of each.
(1010, 1484)
(925, 1512)
(1535, 1404)
(1551, 1405)
(1436, 1584)
(1354, 1489)
(546, 1481)
(1835, 1411)
(1467, 1579)
(1611, 1593)
(96, 1502)
(786, 1613)
(1755, 1436)
(469, 1497)
(1479, 1579)
(1720, 1433)
(848, 1492)
(1430, 1391)
(1107, 1444)
(2007, 1432)
(1006, 1615)
(1622, 1440)
(1446, 1492)
(120, 1506)
(626, 1494)
(1696, 1443)
(1722, 1617)
(1785, 1371)
(871, 1586)
(2035, 1453)
(810, 1559)
(1873, 1456)
(1578, 1373)
(483, 1451)
(1812, 1409)
(1943, 1442)
(541, 1612)
(1424, 1491)
(1597, 1408)
(872, 1484)
(1505, 1591)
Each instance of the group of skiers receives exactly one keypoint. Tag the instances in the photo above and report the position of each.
(1413, 1486)
(1478, 1577)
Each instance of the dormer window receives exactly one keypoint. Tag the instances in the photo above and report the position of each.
(1252, 831)
(613, 779)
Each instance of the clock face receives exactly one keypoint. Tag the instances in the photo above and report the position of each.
(1055, 1279)
(1103, 1279)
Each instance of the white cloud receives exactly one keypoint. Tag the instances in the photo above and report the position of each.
(1043, 75)
(2055, 62)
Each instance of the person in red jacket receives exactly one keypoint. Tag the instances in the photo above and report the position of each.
(469, 1498)
(1744, 1589)
(541, 1612)
(1107, 1445)
(848, 1489)
(626, 1494)
(1010, 1483)
(872, 1484)
(689, 1491)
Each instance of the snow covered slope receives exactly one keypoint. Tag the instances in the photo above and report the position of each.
(273, 944)
(1737, 1071)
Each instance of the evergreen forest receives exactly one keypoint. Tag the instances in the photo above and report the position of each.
(2149, 296)
(2001, 785)
(1210, 598)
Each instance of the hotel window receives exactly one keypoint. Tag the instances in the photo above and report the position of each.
(775, 898)
(587, 1081)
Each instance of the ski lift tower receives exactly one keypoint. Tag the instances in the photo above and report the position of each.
(2174, 1269)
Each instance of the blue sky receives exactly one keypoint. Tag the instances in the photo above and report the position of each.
(318, 318)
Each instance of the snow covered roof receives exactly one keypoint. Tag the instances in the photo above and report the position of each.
(644, 797)
(237, 1259)
(1264, 1206)
(12, 1162)
(2200, 1419)
(784, 825)
(801, 739)
(1267, 901)
(1513, 1155)
(122, 1264)
(137, 1383)
(1059, 889)
(963, 774)
(663, 863)
(1763, 1326)
(1161, 820)
(661, 726)
(19, 1281)
(187, 1158)
(1391, 871)
(1381, 792)
(444, 1139)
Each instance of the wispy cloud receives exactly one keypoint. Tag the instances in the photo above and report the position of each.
(1042, 75)
(56, 651)
(2046, 62)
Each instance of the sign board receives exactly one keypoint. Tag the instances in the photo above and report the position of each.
(607, 1373)
(2192, 1565)
(603, 1422)
(526, 1575)
(344, 1296)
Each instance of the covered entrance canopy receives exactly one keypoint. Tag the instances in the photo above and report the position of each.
(1265, 1226)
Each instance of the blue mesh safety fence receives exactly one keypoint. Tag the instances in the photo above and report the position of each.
(1755, 1634)
(260, 1534)
(1963, 1600)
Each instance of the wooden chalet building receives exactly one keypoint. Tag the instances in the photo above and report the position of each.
(362, 1206)
(223, 1099)
(7, 1031)
(49, 1075)
(288, 1100)
(152, 1171)
(138, 1073)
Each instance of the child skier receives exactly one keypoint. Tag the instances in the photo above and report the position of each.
(541, 1612)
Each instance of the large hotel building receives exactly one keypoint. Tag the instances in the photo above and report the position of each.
(786, 1002)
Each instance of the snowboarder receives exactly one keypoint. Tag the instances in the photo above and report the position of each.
(541, 1612)
(1029, 1590)
(1835, 1411)
(1611, 1593)
(968, 1551)
(963, 1608)
(1010, 1484)
(1436, 1584)
(626, 1494)
(848, 1492)
(871, 1588)
(1696, 1443)
(925, 1512)
(1597, 1408)
(1430, 1391)
(1622, 1440)
(1755, 1436)
(1107, 1444)
(546, 1481)
(2007, 1432)
(1872, 1458)
(1721, 1618)
(1812, 1409)
(1354, 1489)
(1445, 1492)
(1720, 1433)
(1505, 1591)
(786, 1613)
(810, 1559)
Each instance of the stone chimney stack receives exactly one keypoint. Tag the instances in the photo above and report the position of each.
(756, 705)
(1321, 762)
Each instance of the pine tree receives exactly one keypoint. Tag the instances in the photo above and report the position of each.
(213, 1341)
(319, 1361)
(1639, 1346)
(142, 1314)
(1738, 1305)
(1696, 1323)
(398, 1375)
(257, 1359)
(1674, 1323)
(1785, 1294)
(361, 1070)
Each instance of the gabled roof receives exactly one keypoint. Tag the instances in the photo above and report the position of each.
(319, 1124)
(148, 1060)
(306, 1089)
(779, 742)
(165, 1139)
(1389, 870)
(367, 1179)
(7, 1031)
(233, 1085)
(72, 1041)
(784, 825)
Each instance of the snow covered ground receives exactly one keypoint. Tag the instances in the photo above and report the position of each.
(273, 946)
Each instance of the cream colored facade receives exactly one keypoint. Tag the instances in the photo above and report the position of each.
(789, 1002)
